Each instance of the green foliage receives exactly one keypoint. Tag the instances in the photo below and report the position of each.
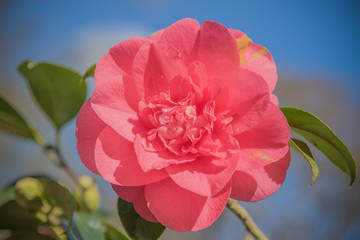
(322, 137)
(59, 198)
(85, 226)
(11, 121)
(135, 226)
(14, 217)
(304, 150)
(57, 89)
(87, 194)
(89, 73)
(112, 233)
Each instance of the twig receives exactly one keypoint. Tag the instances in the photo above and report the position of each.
(245, 217)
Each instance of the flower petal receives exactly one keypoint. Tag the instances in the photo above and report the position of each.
(116, 161)
(216, 47)
(155, 66)
(256, 58)
(124, 52)
(129, 194)
(205, 176)
(182, 210)
(106, 68)
(141, 207)
(182, 35)
(88, 128)
(156, 35)
(110, 102)
(246, 95)
(260, 183)
(152, 154)
(265, 143)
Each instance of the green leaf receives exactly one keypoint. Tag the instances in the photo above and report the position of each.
(111, 233)
(128, 216)
(85, 226)
(146, 230)
(89, 73)
(322, 137)
(57, 89)
(58, 196)
(135, 226)
(7, 194)
(28, 235)
(304, 150)
(13, 216)
(11, 121)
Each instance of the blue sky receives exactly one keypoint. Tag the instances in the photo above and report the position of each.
(304, 37)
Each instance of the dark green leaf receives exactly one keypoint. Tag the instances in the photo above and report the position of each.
(57, 90)
(28, 235)
(89, 73)
(137, 227)
(304, 150)
(322, 137)
(84, 227)
(111, 233)
(12, 122)
(7, 194)
(12, 216)
(128, 216)
(58, 196)
(146, 230)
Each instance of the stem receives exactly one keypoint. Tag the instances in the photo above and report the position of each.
(245, 217)
(53, 153)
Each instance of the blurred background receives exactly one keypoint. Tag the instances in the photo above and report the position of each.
(315, 44)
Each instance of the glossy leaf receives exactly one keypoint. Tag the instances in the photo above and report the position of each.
(58, 196)
(128, 216)
(148, 230)
(12, 122)
(135, 226)
(322, 137)
(57, 89)
(13, 217)
(111, 233)
(304, 150)
(89, 73)
(85, 226)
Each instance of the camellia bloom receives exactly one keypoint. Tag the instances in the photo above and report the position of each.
(184, 119)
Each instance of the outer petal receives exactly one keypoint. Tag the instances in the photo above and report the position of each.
(260, 183)
(182, 35)
(124, 52)
(151, 157)
(88, 128)
(129, 194)
(182, 210)
(265, 143)
(256, 58)
(155, 66)
(156, 35)
(206, 176)
(116, 161)
(110, 101)
(246, 95)
(142, 208)
(106, 68)
(216, 47)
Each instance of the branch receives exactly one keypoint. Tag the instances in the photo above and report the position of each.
(245, 217)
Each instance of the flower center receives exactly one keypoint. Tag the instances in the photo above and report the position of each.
(179, 126)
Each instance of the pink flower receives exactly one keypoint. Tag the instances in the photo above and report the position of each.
(183, 120)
